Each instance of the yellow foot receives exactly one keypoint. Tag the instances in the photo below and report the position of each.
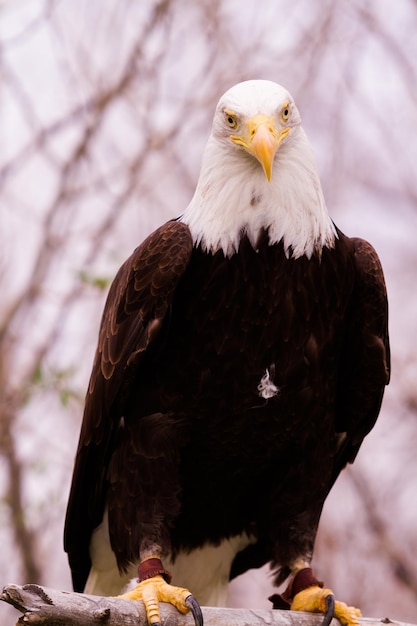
(317, 600)
(155, 590)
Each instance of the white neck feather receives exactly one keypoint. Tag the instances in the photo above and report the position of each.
(233, 197)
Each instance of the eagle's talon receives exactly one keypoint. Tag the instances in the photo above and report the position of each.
(154, 590)
(314, 599)
(195, 609)
(329, 614)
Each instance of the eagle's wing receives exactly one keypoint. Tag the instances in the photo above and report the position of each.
(138, 301)
(365, 366)
(364, 371)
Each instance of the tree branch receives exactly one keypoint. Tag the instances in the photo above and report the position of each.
(48, 607)
(24, 537)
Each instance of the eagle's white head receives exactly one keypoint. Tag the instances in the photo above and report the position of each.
(259, 171)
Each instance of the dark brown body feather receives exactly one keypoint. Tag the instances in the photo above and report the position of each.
(177, 439)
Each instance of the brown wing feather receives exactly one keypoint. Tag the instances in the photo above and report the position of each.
(365, 369)
(137, 304)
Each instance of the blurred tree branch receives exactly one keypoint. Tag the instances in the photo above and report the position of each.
(378, 525)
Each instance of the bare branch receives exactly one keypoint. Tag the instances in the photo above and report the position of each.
(377, 524)
(50, 607)
(25, 540)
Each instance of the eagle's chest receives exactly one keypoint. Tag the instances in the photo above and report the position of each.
(243, 328)
(226, 310)
(232, 298)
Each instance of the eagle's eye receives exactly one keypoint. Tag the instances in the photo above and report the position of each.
(231, 120)
(285, 112)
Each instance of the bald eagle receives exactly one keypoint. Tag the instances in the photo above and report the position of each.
(242, 358)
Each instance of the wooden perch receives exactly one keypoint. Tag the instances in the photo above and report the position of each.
(47, 607)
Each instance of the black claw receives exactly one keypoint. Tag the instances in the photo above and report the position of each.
(195, 609)
(329, 614)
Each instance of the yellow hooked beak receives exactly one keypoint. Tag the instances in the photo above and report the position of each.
(261, 139)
